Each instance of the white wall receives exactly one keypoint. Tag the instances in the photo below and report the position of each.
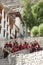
(19, 24)
(2, 23)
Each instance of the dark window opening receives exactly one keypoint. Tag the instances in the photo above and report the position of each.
(0, 21)
(4, 15)
(7, 27)
(4, 24)
(10, 31)
(7, 18)
(15, 34)
(4, 33)
(0, 30)
(7, 35)
(0, 12)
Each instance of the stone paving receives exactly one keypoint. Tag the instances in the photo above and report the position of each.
(35, 58)
(4, 62)
(32, 59)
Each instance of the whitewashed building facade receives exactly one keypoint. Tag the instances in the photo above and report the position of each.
(11, 26)
(5, 28)
(19, 28)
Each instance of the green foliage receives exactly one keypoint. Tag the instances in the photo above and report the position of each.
(32, 14)
(24, 2)
(41, 29)
(37, 10)
(28, 16)
(34, 31)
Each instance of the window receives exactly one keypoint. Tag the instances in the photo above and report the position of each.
(7, 35)
(0, 21)
(10, 31)
(0, 30)
(4, 15)
(4, 33)
(0, 11)
(4, 24)
(15, 34)
(7, 18)
(7, 27)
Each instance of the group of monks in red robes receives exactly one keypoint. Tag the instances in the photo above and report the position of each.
(15, 46)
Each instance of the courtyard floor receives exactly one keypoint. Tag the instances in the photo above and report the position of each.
(3, 62)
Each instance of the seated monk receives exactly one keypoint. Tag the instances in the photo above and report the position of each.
(10, 44)
(7, 49)
(6, 52)
(14, 50)
(20, 46)
(25, 45)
